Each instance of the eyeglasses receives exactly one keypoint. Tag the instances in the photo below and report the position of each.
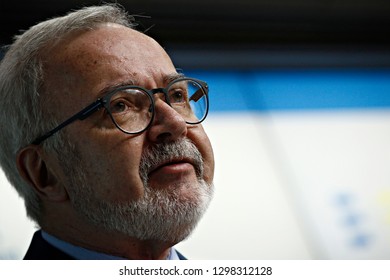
(132, 108)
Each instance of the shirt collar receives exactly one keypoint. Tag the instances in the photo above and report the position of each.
(80, 253)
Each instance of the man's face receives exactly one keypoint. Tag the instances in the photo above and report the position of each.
(170, 166)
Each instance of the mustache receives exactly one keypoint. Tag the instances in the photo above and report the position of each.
(162, 153)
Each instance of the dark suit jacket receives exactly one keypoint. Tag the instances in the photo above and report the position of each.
(40, 249)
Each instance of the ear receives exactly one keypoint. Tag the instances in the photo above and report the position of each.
(33, 168)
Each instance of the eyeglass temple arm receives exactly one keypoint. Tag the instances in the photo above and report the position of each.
(83, 114)
(199, 93)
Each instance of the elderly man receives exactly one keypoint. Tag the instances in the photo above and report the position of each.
(101, 136)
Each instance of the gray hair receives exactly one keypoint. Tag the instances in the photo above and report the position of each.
(22, 114)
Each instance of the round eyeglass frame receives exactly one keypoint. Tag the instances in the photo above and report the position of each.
(104, 101)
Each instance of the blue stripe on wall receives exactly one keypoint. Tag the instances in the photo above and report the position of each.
(297, 90)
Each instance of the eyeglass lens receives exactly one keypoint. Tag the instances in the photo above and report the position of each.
(131, 108)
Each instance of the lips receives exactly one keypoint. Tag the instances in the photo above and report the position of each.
(172, 165)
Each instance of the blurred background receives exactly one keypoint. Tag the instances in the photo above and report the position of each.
(300, 122)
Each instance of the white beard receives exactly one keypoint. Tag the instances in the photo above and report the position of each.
(161, 214)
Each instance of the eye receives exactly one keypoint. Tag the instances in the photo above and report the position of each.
(125, 101)
(119, 106)
(178, 95)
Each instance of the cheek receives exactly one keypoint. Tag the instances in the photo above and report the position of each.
(209, 163)
(202, 142)
(112, 167)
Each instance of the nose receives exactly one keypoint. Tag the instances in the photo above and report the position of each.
(168, 125)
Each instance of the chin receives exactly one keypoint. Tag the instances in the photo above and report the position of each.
(168, 214)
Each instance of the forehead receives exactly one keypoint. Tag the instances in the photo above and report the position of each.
(108, 55)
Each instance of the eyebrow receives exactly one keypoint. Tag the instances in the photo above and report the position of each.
(130, 82)
(110, 88)
(171, 77)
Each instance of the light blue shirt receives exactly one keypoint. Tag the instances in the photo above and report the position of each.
(80, 253)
